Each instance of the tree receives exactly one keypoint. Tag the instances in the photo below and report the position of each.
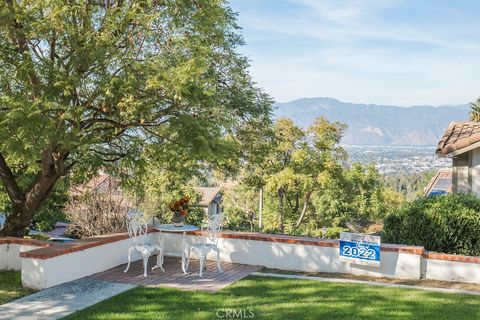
(86, 83)
(289, 163)
(475, 110)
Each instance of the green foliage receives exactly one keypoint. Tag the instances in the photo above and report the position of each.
(475, 110)
(329, 233)
(446, 224)
(84, 84)
(240, 206)
(51, 210)
(410, 184)
(39, 236)
(306, 186)
(356, 196)
(166, 176)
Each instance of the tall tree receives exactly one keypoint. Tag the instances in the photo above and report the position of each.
(84, 83)
(475, 110)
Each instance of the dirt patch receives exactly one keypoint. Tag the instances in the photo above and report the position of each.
(421, 282)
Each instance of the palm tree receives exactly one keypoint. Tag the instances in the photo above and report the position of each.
(475, 110)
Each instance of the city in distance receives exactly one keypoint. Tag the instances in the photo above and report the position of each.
(396, 139)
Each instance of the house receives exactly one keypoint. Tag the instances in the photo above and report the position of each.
(461, 143)
(211, 199)
(102, 183)
(441, 183)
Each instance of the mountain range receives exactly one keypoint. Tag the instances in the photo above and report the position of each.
(371, 124)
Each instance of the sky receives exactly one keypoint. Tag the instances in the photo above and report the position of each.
(415, 52)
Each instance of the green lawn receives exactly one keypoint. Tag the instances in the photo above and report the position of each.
(11, 286)
(273, 298)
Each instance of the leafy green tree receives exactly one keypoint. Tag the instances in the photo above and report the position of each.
(240, 205)
(307, 183)
(475, 110)
(290, 163)
(87, 83)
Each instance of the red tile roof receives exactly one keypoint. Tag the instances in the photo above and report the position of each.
(208, 194)
(459, 135)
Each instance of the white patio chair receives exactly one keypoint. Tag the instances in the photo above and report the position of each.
(209, 241)
(137, 230)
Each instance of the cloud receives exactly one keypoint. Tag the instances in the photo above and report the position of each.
(386, 52)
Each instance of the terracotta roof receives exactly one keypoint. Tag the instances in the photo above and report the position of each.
(459, 135)
(100, 183)
(208, 194)
(440, 183)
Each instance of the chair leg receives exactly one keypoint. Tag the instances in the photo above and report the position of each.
(218, 260)
(145, 262)
(202, 260)
(129, 254)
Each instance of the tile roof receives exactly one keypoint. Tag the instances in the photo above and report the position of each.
(100, 183)
(441, 182)
(459, 135)
(208, 194)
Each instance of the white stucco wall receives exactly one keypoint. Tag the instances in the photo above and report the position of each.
(10, 255)
(452, 271)
(45, 273)
(306, 258)
(475, 171)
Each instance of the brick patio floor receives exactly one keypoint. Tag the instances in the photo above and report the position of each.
(173, 277)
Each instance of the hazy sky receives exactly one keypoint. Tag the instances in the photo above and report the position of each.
(372, 51)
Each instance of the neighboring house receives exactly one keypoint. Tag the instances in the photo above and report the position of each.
(461, 142)
(440, 184)
(102, 183)
(211, 199)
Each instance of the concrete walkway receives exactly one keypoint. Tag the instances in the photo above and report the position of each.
(62, 300)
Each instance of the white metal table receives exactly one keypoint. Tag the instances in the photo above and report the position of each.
(183, 229)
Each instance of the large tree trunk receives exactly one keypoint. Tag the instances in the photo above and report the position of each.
(25, 204)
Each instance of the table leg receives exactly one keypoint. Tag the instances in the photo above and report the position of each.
(184, 258)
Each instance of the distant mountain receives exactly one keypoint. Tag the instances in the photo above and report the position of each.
(370, 124)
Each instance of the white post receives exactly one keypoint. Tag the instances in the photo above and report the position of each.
(260, 208)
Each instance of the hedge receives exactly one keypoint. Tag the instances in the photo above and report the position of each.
(448, 224)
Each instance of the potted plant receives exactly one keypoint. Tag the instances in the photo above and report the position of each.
(180, 210)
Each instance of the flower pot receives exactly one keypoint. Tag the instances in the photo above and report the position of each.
(178, 219)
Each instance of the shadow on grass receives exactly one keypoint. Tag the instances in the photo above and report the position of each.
(11, 286)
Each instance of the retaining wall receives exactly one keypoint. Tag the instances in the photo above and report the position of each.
(55, 263)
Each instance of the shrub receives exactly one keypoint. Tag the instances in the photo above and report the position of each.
(97, 213)
(449, 224)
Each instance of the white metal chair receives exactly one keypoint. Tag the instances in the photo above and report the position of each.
(209, 241)
(137, 229)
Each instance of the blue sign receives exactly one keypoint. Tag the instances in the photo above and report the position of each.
(360, 249)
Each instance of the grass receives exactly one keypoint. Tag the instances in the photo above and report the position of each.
(11, 286)
(272, 298)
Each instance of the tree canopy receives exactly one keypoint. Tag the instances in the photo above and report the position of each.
(85, 83)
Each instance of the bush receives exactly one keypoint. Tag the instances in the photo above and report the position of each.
(449, 224)
(331, 233)
(94, 214)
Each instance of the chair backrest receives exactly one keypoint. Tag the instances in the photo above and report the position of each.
(136, 226)
(213, 228)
